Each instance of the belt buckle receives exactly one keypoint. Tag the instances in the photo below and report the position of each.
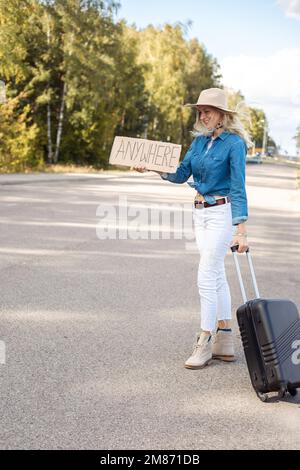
(198, 204)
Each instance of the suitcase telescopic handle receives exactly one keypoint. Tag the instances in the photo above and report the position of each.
(234, 250)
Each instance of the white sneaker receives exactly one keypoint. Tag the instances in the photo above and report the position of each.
(202, 353)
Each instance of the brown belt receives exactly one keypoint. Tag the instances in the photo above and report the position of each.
(202, 204)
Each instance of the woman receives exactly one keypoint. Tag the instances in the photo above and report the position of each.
(216, 160)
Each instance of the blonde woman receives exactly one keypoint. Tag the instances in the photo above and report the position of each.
(216, 160)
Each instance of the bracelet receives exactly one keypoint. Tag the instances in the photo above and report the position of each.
(241, 234)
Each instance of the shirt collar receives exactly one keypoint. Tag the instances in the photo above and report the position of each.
(222, 136)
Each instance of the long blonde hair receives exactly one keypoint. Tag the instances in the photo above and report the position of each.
(232, 122)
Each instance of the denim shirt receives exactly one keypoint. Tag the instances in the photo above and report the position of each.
(219, 169)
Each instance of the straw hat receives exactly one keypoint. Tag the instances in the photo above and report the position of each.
(212, 97)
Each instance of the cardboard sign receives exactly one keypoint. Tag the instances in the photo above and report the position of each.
(153, 155)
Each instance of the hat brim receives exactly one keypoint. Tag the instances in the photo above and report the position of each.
(194, 105)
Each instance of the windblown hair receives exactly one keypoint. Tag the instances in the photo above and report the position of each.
(232, 122)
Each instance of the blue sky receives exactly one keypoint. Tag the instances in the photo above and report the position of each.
(256, 42)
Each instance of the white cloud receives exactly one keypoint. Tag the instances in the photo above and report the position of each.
(273, 84)
(290, 7)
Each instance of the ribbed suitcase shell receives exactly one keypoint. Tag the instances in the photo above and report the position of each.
(270, 332)
(269, 328)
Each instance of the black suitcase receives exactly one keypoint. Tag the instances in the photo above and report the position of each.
(270, 332)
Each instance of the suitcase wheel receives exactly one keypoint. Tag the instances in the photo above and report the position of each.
(262, 396)
(292, 391)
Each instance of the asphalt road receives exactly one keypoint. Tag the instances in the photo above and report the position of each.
(96, 332)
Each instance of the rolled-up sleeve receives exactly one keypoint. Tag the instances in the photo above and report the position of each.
(239, 204)
(184, 170)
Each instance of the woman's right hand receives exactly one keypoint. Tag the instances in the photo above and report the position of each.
(142, 169)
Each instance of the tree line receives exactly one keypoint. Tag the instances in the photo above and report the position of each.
(76, 77)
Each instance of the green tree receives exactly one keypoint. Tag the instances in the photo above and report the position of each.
(175, 71)
(68, 61)
(76, 77)
(18, 137)
(258, 124)
(101, 77)
(19, 33)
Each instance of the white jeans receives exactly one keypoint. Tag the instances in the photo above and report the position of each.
(214, 232)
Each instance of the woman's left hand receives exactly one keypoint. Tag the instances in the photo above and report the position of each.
(240, 240)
